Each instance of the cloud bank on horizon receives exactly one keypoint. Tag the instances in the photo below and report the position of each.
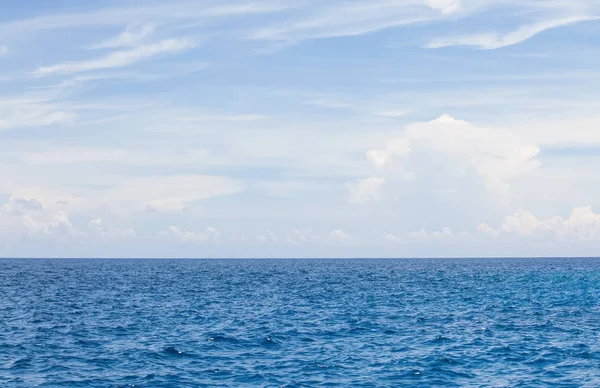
(331, 128)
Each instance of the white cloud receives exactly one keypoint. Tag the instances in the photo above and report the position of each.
(496, 155)
(339, 236)
(210, 234)
(120, 58)
(73, 156)
(266, 237)
(496, 40)
(233, 118)
(390, 237)
(29, 218)
(97, 228)
(171, 193)
(583, 224)
(33, 115)
(17, 206)
(445, 6)
(334, 19)
(173, 12)
(130, 37)
(46, 225)
(446, 234)
(301, 237)
(363, 190)
(420, 234)
(62, 226)
(485, 229)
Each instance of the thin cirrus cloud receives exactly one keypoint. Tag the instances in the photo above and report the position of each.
(350, 19)
(120, 58)
(130, 37)
(495, 40)
(114, 16)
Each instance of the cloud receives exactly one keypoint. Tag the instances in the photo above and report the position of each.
(174, 233)
(130, 37)
(170, 193)
(302, 237)
(266, 237)
(445, 6)
(30, 219)
(173, 12)
(444, 235)
(490, 41)
(40, 226)
(582, 224)
(390, 237)
(119, 58)
(363, 190)
(97, 228)
(420, 234)
(3, 50)
(231, 117)
(495, 155)
(339, 236)
(33, 115)
(17, 206)
(329, 19)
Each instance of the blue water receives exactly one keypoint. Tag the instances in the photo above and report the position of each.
(294, 323)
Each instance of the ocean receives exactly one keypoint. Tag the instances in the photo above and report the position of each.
(300, 323)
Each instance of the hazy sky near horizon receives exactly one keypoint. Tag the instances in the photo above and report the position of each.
(330, 128)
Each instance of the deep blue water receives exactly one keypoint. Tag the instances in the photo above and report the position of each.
(388, 323)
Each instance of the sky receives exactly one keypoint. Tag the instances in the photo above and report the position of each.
(299, 128)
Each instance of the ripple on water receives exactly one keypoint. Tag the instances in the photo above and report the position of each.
(125, 323)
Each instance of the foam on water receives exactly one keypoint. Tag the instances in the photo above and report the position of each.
(179, 323)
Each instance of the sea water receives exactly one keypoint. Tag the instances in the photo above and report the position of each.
(300, 323)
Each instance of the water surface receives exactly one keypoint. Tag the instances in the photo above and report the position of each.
(295, 323)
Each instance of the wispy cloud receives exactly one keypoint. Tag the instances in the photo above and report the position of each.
(130, 37)
(118, 59)
(171, 12)
(351, 19)
(494, 40)
(207, 118)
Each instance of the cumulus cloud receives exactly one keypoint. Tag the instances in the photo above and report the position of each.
(302, 236)
(445, 234)
(266, 237)
(363, 190)
(97, 228)
(582, 224)
(390, 237)
(29, 218)
(209, 234)
(339, 236)
(17, 206)
(495, 155)
(420, 234)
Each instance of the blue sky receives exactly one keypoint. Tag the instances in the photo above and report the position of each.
(300, 128)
